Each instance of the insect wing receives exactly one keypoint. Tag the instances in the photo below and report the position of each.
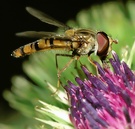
(45, 18)
(36, 34)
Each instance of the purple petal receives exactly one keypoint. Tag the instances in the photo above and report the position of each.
(126, 97)
(128, 72)
(88, 110)
(127, 116)
(100, 69)
(116, 67)
(104, 102)
(94, 80)
(116, 58)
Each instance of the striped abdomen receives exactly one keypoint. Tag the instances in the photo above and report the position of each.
(42, 45)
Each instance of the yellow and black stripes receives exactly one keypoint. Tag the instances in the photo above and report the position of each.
(42, 45)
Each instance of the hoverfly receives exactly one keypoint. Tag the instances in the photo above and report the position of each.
(78, 41)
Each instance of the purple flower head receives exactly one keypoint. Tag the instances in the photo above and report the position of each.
(106, 101)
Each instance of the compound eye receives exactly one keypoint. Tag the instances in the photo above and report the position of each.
(103, 43)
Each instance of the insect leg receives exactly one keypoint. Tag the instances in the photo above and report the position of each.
(91, 61)
(63, 69)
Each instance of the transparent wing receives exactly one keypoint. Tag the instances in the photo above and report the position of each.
(36, 34)
(45, 18)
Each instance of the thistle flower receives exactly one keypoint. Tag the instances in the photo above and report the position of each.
(104, 101)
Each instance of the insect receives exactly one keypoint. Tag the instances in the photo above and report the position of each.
(79, 41)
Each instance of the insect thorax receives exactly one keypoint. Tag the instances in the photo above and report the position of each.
(84, 42)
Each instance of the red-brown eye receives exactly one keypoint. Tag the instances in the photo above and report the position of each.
(103, 43)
